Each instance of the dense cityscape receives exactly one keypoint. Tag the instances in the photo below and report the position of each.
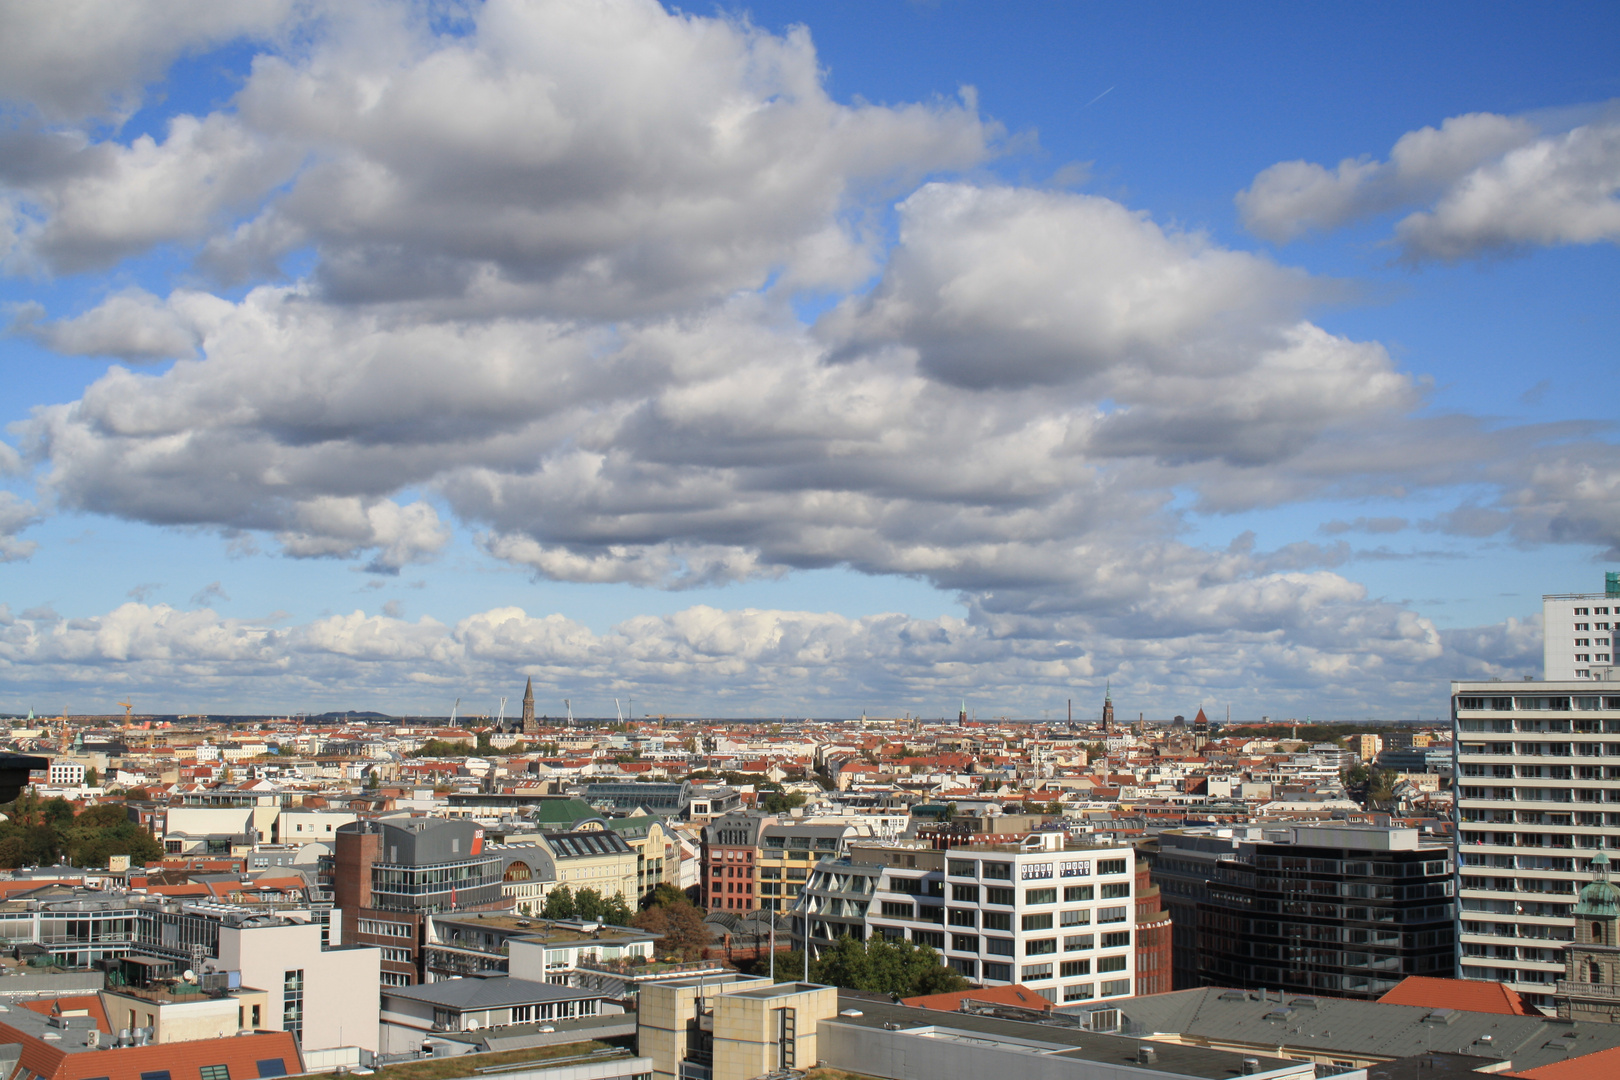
(783, 540)
(606, 887)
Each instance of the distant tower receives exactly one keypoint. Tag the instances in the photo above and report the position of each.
(1200, 730)
(961, 717)
(1108, 707)
(528, 706)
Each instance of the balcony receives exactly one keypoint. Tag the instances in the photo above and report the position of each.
(1598, 990)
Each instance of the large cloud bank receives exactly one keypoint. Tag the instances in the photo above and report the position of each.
(553, 250)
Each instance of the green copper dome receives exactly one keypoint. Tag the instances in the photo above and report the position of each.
(1599, 897)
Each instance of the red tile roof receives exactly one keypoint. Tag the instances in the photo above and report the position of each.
(182, 1060)
(89, 1003)
(1467, 995)
(1017, 995)
(1586, 1067)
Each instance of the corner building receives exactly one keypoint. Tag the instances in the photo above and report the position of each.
(1538, 796)
(1055, 915)
(389, 876)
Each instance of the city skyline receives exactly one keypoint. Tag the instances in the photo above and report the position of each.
(789, 359)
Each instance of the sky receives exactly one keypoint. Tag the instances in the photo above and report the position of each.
(801, 359)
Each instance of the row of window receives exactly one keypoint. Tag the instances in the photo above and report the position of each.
(1033, 871)
(1537, 704)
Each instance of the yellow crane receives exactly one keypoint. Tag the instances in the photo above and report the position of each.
(128, 708)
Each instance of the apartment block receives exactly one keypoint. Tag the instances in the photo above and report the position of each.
(1538, 795)
(1578, 632)
(731, 1027)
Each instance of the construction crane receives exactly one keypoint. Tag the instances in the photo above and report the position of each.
(128, 708)
(454, 709)
(500, 717)
(618, 710)
(568, 707)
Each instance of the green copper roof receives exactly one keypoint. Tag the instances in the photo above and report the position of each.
(1599, 897)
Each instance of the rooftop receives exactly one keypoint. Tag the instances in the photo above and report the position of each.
(495, 993)
(1118, 1051)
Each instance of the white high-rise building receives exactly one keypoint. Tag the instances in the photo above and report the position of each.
(1538, 794)
(1578, 632)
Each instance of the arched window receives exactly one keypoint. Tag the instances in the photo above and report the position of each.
(1594, 974)
(1597, 933)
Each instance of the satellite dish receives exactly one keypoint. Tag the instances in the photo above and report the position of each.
(472, 1025)
(189, 975)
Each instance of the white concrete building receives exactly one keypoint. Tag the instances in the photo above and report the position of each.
(1578, 632)
(325, 997)
(66, 773)
(1056, 916)
(1538, 793)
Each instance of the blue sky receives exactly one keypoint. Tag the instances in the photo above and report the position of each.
(784, 358)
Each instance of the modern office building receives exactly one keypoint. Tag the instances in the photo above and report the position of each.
(1342, 910)
(1052, 914)
(1578, 631)
(389, 876)
(1538, 795)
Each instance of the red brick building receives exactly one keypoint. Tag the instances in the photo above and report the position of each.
(1152, 936)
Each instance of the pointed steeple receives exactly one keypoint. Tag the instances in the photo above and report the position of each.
(528, 705)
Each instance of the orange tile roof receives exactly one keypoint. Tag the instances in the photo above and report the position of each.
(90, 1003)
(1017, 995)
(183, 1060)
(1586, 1067)
(1467, 995)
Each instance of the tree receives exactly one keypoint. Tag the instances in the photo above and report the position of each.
(663, 894)
(588, 904)
(559, 903)
(684, 932)
(882, 966)
(615, 912)
(91, 776)
(778, 802)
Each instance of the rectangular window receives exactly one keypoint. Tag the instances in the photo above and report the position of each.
(1111, 914)
(292, 1004)
(1040, 896)
(960, 916)
(965, 943)
(1115, 987)
(1033, 972)
(1075, 894)
(967, 894)
(270, 1067)
(156, 1074)
(1116, 890)
(1040, 946)
(1078, 992)
(994, 895)
(998, 972)
(1073, 969)
(1111, 963)
(1075, 868)
(1078, 942)
(895, 910)
(995, 920)
(1042, 921)
(934, 939)
(1036, 871)
(961, 868)
(215, 1072)
(998, 946)
(1111, 866)
(1078, 917)
(998, 871)
(1120, 939)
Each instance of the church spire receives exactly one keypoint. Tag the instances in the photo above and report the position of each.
(528, 706)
